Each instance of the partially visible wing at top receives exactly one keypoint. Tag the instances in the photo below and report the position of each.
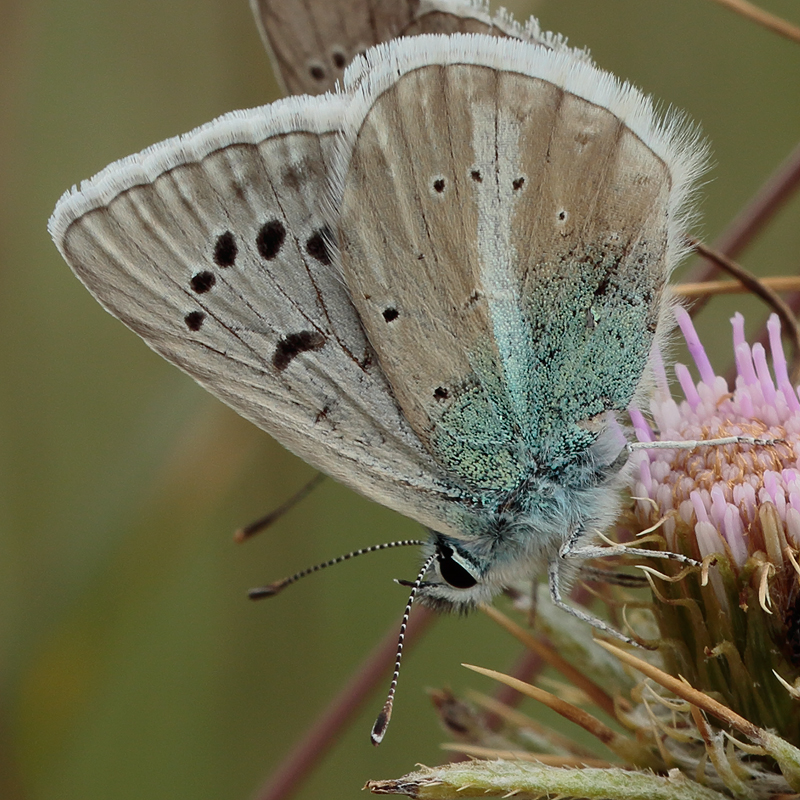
(313, 41)
(213, 248)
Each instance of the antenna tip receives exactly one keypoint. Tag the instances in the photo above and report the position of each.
(380, 726)
(247, 531)
(266, 591)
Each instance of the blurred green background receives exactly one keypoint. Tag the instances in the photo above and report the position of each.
(132, 664)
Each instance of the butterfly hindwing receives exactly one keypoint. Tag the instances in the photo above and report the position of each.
(213, 247)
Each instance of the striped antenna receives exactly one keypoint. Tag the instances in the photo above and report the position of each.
(382, 722)
(272, 589)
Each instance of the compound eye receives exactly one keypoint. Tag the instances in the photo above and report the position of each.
(453, 572)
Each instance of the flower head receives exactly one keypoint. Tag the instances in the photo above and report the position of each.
(739, 503)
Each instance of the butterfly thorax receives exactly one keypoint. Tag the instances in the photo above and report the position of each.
(511, 538)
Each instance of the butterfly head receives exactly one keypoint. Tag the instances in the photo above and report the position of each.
(460, 577)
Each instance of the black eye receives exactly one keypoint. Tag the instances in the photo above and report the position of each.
(452, 571)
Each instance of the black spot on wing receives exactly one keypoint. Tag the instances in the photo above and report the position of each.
(440, 393)
(603, 287)
(194, 320)
(317, 72)
(317, 245)
(225, 250)
(270, 239)
(203, 282)
(390, 314)
(293, 344)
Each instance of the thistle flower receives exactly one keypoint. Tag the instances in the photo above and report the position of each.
(740, 636)
(718, 713)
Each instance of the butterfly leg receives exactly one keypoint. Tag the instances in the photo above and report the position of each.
(612, 577)
(572, 549)
(693, 444)
(554, 582)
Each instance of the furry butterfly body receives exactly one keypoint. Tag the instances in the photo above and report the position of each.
(440, 285)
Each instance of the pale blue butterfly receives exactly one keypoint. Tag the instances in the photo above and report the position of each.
(440, 285)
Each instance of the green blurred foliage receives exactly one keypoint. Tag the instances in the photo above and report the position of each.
(131, 663)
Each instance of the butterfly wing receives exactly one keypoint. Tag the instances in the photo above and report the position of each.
(506, 239)
(213, 248)
(312, 43)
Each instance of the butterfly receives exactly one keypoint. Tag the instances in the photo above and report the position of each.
(441, 284)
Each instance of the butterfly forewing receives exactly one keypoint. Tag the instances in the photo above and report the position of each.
(495, 216)
(214, 248)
